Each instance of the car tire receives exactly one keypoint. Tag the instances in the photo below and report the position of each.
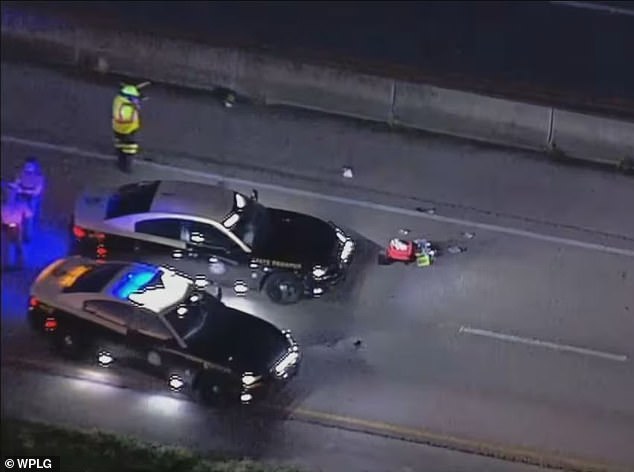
(283, 288)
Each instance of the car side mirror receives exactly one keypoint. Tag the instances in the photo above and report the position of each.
(255, 195)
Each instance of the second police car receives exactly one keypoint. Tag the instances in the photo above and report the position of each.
(164, 322)
(211, 229)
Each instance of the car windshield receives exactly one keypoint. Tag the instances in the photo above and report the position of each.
(248, 221)
(190, 317)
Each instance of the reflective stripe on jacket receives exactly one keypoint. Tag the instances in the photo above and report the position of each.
(125, 116)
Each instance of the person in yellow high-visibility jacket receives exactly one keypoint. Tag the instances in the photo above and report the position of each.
(125, 124)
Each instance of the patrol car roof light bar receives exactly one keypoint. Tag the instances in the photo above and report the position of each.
(133, 282)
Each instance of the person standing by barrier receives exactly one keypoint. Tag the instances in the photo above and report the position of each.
(14, 212)
(29, 186)
(126, 122)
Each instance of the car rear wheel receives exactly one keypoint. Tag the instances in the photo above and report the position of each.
(283, 288)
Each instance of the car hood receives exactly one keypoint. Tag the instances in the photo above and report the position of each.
(296, 237)
(238, 340)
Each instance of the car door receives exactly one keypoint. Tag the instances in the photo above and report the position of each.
(161, 242)
(150, 336)
(215, 254)
(115, 318)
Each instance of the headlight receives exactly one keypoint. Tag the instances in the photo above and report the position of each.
(346, 252)
(319, 272)
(248, 379)
(341, 236)
(288, 361)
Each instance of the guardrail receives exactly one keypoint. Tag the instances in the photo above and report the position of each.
(277, 81)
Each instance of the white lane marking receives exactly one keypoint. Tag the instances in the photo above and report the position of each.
(546, 344)
(595, 6)
(342, 200)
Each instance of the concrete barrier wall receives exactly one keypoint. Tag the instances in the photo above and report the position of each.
(593, 138)
(277, 81)
(283, 82)
(471, 116)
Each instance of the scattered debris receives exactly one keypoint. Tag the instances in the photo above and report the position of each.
(468, 235)
(420, 251)
(455, 249)
(429, 211)
(347, 172)
(102, 65)
(229, 100)
(404, 231)
(357, 343)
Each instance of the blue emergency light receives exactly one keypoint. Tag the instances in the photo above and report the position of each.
(134, 282)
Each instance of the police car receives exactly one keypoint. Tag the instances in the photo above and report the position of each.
(163, 322)
(207, 229)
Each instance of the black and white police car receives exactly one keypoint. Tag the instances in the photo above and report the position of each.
(164, 322)
(210, 229)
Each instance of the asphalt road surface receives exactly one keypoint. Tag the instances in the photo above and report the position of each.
(524, 340)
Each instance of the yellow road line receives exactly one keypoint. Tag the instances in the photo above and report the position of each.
(509, 453)
(417, 435)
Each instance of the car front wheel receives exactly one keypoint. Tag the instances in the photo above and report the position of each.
(283, 288)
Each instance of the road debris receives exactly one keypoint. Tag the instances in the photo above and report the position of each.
(456, 249)
(468, 235)
(429, 211)
(420, 251)
(347, 172)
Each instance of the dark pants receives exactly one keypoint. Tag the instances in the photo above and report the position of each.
(12, 243)
(34, 204)
(126, 148)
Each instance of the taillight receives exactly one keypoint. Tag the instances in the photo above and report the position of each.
(33, 302)
(79, 232)
(102, 251)
(50, 324)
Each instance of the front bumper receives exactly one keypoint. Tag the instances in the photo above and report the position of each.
(278, 376)
(336, 274)
(315, 288)
(267, 387)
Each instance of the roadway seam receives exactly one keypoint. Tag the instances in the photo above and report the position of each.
(330, 183)
(344, 200)
(370, 427)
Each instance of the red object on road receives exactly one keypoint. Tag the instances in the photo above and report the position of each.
(401, 250)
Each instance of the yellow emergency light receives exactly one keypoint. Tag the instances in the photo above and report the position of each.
(69, 278)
